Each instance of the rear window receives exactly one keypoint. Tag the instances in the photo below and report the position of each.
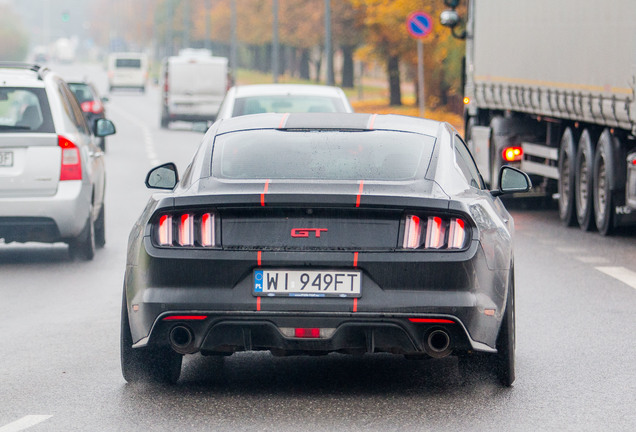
(82, 92)
(128, 63)
(286, 104)
(320, 155)
(24, 110)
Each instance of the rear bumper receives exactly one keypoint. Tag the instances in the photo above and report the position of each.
(396, 286)
(225, 333)
(46, 219)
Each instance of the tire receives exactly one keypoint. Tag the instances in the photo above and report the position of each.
(603, 176)
(83, 246)
(584, 182)
(165, 123)
(506, 339)
(146, 365)
(100, 228)
(567, 162)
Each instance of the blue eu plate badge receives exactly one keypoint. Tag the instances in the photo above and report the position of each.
(258, 281)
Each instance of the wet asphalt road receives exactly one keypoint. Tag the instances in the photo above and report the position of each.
(59, 357)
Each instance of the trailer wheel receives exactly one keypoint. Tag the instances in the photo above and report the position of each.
(585, 182)
(567, 162)
(603, 174)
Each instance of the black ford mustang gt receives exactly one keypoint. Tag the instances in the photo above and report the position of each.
(319, 233)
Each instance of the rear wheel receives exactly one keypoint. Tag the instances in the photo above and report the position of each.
(159, 364)
(567, 162)
(584, 182)
(83, 246)
(100, 228)
(164, 120)
(603, 174)
(506, 339)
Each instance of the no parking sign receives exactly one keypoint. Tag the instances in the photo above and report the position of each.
(419, 24)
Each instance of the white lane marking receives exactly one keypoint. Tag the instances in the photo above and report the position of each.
(151, 152)
(622, 274)
(24, 423)
(592, 260)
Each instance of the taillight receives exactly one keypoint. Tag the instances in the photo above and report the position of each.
(95, 107)
(186, 230)
(207, 230)
(412, 232)
(456, 234)
(434, 232)
(512, 154)
(71, 167)
(165, 230)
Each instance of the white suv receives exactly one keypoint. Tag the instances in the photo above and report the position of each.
(51, 170)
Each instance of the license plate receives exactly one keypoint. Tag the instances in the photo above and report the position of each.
(6, 159)
(299, 283)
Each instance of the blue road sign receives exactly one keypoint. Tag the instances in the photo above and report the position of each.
(419, 24)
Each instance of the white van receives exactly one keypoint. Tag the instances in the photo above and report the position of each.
(193, 86)
(127, 70)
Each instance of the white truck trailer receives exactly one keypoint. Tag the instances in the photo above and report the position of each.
(550, 87)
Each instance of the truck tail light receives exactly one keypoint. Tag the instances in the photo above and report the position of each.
(434, 232)
(185, 229)
(71, 167)
(512, 154)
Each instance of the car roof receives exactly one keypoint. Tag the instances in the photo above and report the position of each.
(286, 89)
(330, 121)
(21, 76)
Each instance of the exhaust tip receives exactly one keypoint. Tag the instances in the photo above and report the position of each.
(438, 344)
(182, 339)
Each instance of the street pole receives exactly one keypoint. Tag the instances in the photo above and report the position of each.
(208, 31)
(186, 23)
(275, 44)
(328, 45)
(233, 44)
(420, 74)
(169, 27)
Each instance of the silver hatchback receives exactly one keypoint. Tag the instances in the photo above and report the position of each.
(52, 175)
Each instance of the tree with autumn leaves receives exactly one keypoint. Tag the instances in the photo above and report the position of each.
(368, 30)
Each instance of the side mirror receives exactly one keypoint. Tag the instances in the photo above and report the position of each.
(163, 177)
(512, 180)
(451, 3)
(449, 18)
(105, 99)
(104, 127)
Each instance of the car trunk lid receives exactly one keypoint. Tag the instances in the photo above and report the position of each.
(29, 165)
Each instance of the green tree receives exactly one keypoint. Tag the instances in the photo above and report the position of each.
(14, 39)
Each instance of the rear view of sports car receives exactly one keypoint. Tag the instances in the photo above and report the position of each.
(321, 233)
